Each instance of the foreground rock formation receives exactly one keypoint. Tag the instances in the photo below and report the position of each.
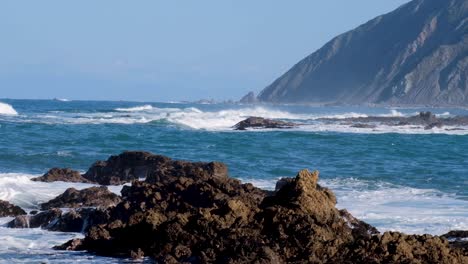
(416, 54)
(260, 122)
(194, 213)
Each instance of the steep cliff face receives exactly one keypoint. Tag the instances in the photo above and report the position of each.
(417, 54)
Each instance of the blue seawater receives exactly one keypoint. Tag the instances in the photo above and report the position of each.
(397, 178)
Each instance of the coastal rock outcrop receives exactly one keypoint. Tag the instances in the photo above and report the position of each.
(9, 210)
(260, 122)
(194, 213)
(62, 174)
(93, 196)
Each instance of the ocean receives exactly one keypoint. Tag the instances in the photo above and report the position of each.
(403, 178)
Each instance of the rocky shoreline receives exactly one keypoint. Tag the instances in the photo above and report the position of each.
(426, 119)
(193, 212)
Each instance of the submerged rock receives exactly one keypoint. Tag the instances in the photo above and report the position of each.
(9, 210)
(72, 198)
(260, 122)
(62, 174)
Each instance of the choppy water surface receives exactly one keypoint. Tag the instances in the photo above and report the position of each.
(396, 178)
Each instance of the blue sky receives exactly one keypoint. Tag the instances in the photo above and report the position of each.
(152, 50)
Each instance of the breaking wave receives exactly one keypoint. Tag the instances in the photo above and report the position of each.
(135, 109)
(20, 190)
(225, 119)
(6, 109)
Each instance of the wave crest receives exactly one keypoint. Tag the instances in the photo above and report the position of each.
(135, 109)
(6, 109)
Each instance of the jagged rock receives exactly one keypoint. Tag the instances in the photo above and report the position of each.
(62, 174)
(199, 170)
(360, 228)
(9, 210)
(260, 122)
(128, 166)
(72, 198)
(195, 213)
(205, 217)
(74, 244)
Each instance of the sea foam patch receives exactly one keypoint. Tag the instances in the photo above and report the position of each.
(18, 189)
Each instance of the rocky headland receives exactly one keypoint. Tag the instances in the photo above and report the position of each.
(193, 212)
(414, 55)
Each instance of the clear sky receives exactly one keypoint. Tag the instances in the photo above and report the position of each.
(151, 50)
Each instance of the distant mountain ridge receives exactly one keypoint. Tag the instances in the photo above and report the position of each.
(415, 55)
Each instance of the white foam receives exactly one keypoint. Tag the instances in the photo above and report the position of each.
(135, 109)
(393, 207)
(394, 113)
(224, 120)
(6, 109)
(34, 245)
(18, 189)
(382, 129)
(62, 99)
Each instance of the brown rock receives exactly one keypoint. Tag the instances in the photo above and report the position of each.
(9, 210)
(194, 213)
(62, 174)
(72, 198)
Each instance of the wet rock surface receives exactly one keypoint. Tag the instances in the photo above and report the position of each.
(9, 210)
(194, 213)
(260, 122)
(458, 239)
(425, 119)
(75, 220)
(62, 174)
(72, 198)
(42, 219)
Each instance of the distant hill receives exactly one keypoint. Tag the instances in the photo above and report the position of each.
(415, 55)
